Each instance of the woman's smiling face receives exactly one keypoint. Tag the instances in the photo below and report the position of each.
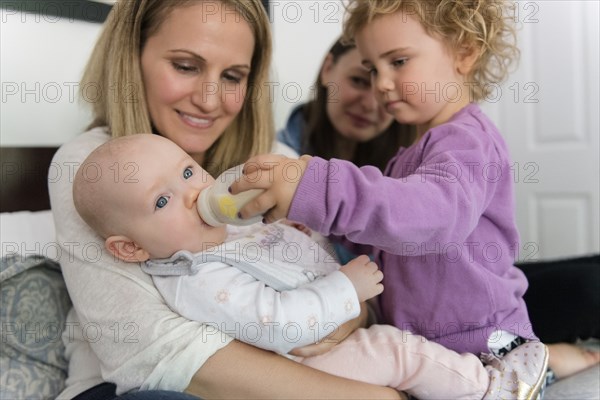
(196, 74)
(351, 104)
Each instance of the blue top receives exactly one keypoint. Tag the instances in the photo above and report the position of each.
(291, 134)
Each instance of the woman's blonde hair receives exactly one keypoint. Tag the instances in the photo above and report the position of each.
(112, 81)
(485, 26)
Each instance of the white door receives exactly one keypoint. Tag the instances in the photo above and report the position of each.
(548, 112)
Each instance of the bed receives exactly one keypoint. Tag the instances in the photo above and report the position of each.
(35, 300)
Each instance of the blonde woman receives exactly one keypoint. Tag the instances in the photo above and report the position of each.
(191, 71)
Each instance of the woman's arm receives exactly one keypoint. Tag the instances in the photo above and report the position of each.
(239, 371)
(341, 333)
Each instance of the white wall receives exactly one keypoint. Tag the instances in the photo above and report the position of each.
(303, 31)
(42, 58)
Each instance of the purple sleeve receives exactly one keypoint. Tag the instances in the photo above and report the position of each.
(441, 201)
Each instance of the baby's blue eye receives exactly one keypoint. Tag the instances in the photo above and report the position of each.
(162, 201)
(187, 173)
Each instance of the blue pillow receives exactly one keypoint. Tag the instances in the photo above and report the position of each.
(34, 307)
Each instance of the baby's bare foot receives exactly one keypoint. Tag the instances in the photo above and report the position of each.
(567, 359)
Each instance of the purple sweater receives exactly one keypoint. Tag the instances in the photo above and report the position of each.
(442, 224)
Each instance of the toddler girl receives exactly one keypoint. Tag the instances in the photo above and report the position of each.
(441, 218)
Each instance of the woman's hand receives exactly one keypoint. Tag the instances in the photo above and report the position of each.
(279, 176)
(336, 337)
(297, 225)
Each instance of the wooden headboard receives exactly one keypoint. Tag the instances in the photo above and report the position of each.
(24, 175)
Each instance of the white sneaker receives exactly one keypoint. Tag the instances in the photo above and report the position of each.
(520, 374)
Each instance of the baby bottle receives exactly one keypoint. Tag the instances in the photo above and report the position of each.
(218, 207)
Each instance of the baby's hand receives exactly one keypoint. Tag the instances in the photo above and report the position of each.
(365, 276)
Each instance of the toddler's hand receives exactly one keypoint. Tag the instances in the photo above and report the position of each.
(279, 176)
(365, 276)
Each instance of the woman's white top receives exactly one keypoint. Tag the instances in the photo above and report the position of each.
(121, 330)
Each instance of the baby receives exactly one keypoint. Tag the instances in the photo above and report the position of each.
(139, 194)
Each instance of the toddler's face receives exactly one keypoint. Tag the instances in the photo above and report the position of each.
(158, 199)
(415, 76)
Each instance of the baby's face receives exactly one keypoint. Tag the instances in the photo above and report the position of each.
(158, 200)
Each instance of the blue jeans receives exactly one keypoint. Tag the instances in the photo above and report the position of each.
(106, 391)
(156, 395)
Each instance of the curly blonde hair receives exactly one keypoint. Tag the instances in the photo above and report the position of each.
(485, 25)
(115, 63)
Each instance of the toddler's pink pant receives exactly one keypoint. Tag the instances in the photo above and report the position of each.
(386, 356)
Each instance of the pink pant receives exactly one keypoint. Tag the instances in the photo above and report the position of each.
(386, 356)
